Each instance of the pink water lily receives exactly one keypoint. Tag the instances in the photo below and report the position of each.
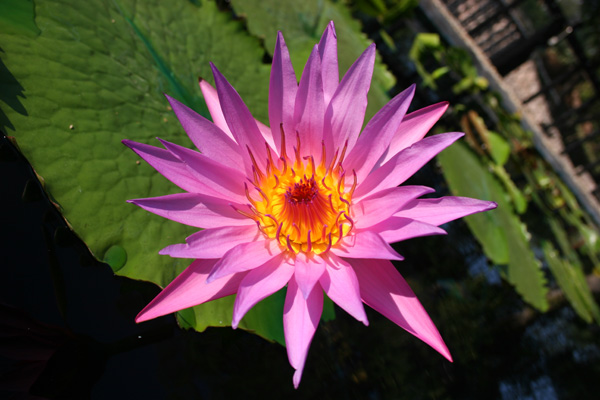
(311, 202)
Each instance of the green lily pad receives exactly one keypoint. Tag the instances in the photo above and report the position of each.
(18, 16)
(116, 257)
(500, 232)
(94, 75)
(572, 281)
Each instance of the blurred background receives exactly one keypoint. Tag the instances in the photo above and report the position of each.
(514, 292)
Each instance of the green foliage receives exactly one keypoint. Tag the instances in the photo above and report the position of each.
(505, 151)
(18, 17)
(386, 11)
(95, 75)
(451, 60)
(502, 235)
(302, 22)
(571, 279)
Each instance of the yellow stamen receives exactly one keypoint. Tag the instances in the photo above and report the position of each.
(305, 206)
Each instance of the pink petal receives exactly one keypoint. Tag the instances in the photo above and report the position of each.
(265, 131)
(346, 111)
(341, 285)
(365, 244)
(382, 205)
(414, 127)
(405, 163)
(329, 62)
(244, 257)
(396, 229)
(282, 96)
(307, 272)
(260, 283)
(166, 164)
(310, 108)
(378, 134)
(214, 107)
(206, 136)
(195, 210)
(240, 121)
(210, 94)
(445, 209)
(386, 291)
(226, 181)
(300, 320)
(213, 243)
(190, 289)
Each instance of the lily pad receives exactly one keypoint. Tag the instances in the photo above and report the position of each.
(502, 235)
(572, 281)
(17, 16)
(94, 75)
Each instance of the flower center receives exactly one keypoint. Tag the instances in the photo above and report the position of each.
(302, 192)
(302, 205)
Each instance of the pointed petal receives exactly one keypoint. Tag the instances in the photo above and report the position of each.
(329, 62)
(414, 127)
(244, 257)
(385, 290)
(260, 283)
(282, 96)
(396, 229)
(310, 107)
(206, 136)
(378, 134)
(228, 182)
(346, 111)
(300, 320)
(307, 272)
(445, 209)
(404, 164)
(341, 285)
(212, 243)
(240, 121)
(265, 131)
(214, 107)
(210, 94)
(382, 205)
(365, 244)
(195, 210)
(190, 289)
(166, 164)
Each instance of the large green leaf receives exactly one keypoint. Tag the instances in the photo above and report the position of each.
(95, 75)
(500, 232)
(302, 23)
(572, 281)
(17, 16)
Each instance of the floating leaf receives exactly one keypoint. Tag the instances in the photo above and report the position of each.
(502, 235)
(18, 17)
(94, 75)
(572, 281)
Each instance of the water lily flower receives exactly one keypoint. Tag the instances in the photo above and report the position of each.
(309, 202)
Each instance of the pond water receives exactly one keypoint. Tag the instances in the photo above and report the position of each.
(68, 331)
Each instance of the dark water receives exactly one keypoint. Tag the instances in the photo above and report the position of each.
(67, 329)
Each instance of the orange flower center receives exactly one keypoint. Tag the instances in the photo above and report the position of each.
(302, 205)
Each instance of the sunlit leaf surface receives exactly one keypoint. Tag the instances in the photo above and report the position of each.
(94, 75)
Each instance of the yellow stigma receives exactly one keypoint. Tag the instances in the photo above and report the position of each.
(302, 205)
